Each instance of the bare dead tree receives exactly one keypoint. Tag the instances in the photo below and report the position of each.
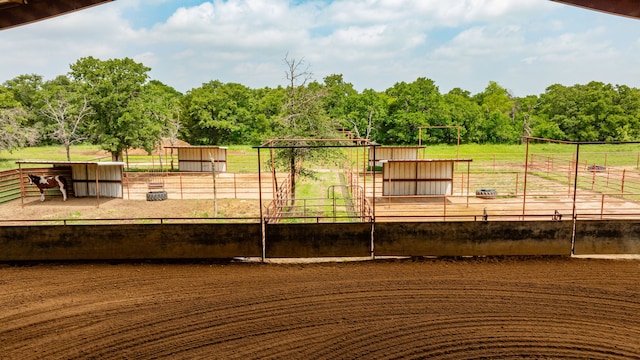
(172, 129)
(68, 121)
(303, 117)
(369, 128)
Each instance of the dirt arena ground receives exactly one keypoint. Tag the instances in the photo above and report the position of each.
(542, 308)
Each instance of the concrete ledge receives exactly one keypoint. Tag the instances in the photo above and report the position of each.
(473, 238)
(125, 242)
(318, 240)
(607, 237)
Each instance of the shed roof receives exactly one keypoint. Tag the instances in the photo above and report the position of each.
(195, 147)
(54, 162)
(426, 160)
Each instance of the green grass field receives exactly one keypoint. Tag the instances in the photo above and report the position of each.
(244, 158)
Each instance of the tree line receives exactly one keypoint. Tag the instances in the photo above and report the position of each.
(114, 103)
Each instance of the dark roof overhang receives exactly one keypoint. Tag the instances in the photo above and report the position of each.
(20, 12)
(629, 8)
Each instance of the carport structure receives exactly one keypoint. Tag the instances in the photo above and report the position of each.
(88, 178)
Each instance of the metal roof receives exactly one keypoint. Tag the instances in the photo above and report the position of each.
(629, 8)
(56, 162)
(21, 12)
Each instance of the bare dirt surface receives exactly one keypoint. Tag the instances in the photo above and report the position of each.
(54, 208)
(543, 308)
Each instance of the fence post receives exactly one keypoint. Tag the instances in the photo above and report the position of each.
(181, 191)
(444, 208)
(126, 176)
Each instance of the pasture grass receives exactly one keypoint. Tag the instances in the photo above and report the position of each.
(244, 158)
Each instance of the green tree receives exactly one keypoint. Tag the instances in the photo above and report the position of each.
(25, 89)
(337, 99)
(218, 113)
(591, 112)
(461, 110)
(498, 123)
(411, 106)
(365, 113)
(113, 88)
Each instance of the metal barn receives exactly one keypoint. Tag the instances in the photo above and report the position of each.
(418, 177)
(104, 176)
(86, 176)
(383, 153)
(200, 158)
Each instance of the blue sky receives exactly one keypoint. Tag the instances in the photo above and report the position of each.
(524, 45)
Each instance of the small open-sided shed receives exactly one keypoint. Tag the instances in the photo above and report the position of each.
(383, 153)
(199, 158)
(87, 176)
(418, 177)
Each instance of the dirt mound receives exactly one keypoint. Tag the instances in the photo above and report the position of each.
(160, 151)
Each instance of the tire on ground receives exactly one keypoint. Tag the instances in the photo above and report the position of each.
(156, 195)
(486, 193)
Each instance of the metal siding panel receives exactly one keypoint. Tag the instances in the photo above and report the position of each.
(78, 173)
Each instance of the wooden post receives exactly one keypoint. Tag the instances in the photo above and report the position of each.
(97, 187)
(22, 189)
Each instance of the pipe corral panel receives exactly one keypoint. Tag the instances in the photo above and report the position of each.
(123, 242)
(317, 240)
(595, 237)
(473, 238)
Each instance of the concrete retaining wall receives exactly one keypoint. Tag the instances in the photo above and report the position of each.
(317, 240)
(123, 242)
(473, 238)
(208, 241)
(607, 237)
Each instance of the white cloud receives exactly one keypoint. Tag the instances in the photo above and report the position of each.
(525, 45)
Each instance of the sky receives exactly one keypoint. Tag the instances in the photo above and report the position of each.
(523, 45)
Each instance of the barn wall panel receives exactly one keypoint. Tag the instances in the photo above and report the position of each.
(595, 237)
(199, 158)
(109, 180)
(473, 238)
(317, 240)
(123, 242)
(409, 178)
(393, 153)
